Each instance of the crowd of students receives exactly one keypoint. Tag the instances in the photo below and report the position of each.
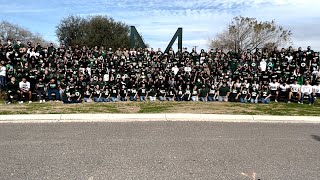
(83, 74)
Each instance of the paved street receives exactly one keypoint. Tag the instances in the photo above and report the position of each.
(160, 150)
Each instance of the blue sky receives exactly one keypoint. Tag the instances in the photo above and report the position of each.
(157, 20)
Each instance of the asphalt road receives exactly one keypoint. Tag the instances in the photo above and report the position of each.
(160, 150)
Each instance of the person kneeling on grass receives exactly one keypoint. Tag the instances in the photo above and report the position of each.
(152, 94)
(223, 93)
(265, 95)
(71, 96)
(114, 94)
(171, 94)
(88, 94)
(97, 93)
(162, 93)
(254, 96)
(203, 93)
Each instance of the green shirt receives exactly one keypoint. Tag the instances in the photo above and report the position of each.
(223, 91)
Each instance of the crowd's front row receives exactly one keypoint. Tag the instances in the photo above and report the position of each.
(233, 92)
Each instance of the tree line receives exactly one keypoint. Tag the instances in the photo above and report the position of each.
(242, 34)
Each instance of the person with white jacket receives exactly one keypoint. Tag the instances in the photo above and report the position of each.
(307, 90)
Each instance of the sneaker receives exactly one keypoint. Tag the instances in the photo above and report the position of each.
(289, 102)
(275, 100)
(20, 102)
(310, 104)
(299, 102)
(44, 101)
(57, 101)
(30, 102)
(40, 101)
(8, 102)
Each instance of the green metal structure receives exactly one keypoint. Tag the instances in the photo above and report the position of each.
(178, 35)
(134, 35)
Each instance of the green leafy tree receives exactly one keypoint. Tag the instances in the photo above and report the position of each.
(93, 31)
(245, 33)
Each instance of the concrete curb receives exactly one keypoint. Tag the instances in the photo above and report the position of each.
(55, 118)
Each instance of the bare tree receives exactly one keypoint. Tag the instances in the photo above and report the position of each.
(247, 33)
(15, 32)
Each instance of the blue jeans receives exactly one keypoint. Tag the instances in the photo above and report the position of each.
(161, 98)
(203, 99)
(265, 101)
(123, 99)
(210, 98)
(53, 91)
(71, 101)
(2, 82)
(179, 98)
(113, 99)
(243, 100)
(310, 98)
(132, 98)
(142, 98)
(85, 99)
(96, 99)
(254, 100)
(170, 98)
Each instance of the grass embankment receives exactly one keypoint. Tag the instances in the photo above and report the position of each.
(163, 107)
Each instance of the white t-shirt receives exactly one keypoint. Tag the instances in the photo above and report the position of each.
(3, 70)
(24, 86)
(263, 65)
(306, 89)
(284, 88)
(175, 70)
(316, 89)
(295, 87)
(187, 69)
(274, 86)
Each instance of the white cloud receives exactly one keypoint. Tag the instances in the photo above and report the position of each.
(158, 20)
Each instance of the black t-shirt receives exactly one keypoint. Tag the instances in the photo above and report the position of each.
(52, 86)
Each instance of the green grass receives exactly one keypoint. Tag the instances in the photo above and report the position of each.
(293, 109)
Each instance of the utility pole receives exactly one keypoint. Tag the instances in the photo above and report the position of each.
(195, 48)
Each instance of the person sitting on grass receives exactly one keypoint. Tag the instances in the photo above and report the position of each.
(40, 90)
(53, 88)
(12, 90)
(306, 90)
(316, 91)
(25, 92)
(295, 91)
(203, 93)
